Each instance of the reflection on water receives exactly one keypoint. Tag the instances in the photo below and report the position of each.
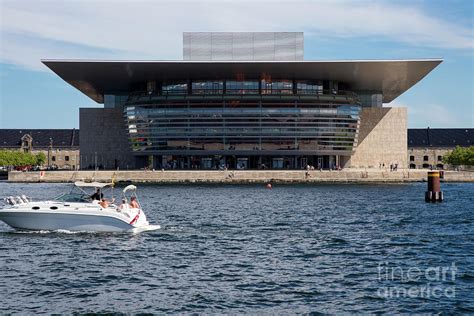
(246, 249)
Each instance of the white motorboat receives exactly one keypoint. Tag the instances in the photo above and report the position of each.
(77, 211)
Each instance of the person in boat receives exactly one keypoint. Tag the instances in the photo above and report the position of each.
(104, 203)
(98, 196)
(134, 202)
(124, 206)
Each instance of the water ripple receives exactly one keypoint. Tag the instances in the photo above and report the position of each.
(247, 250)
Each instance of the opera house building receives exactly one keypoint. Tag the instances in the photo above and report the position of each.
(242, 101)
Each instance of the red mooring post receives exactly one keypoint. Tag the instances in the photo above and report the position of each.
(434, 193)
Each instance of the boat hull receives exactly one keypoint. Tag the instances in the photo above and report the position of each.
(63, 221)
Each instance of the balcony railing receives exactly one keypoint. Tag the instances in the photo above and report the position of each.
(232, 94)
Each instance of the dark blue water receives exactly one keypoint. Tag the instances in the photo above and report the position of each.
(246, 249)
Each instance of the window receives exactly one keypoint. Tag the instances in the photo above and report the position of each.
(440, 158)
(66, 158)
(277, 87)
(53, 158)
(309, 87)
(412, 166)
(425, 158)
(174, 88)
(241, 87)
(207, 87)
(412, 158)
(425, 165)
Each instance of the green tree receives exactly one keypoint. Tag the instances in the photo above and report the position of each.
(40, 159)
(18, 158)
(3, 158)
(460, 156)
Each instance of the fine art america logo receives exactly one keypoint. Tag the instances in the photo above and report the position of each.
(412, 282)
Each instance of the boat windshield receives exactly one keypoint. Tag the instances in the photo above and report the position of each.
(74, 197)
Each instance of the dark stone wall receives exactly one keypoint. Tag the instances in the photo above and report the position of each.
(103, 131)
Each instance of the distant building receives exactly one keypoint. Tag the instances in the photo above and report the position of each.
(243, 100)
(427, 146)
(60, 146)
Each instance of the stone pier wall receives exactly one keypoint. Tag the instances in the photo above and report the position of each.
(236, 176)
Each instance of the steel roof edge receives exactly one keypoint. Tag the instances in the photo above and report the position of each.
(236, 61)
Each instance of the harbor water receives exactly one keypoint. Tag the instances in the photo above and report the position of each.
(248, 249)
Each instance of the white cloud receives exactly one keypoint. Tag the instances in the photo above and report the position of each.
(32, 29)
(433, 115)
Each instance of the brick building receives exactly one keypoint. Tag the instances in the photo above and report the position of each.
(60, 146)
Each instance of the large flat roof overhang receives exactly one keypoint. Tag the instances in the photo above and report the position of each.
(97, 77)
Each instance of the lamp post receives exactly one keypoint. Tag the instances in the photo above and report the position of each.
(50, 149)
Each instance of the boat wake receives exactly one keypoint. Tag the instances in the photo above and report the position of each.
(59, 231)
(145, 228)
(136, 230)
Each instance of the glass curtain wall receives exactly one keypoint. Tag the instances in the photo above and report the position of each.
(243, 123)
(242, 129)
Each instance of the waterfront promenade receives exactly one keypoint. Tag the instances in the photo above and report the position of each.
(237, 176)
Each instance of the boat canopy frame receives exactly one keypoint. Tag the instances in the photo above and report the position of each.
(80, 185)
(132, 189)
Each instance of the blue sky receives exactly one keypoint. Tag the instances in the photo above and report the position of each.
(31, 96)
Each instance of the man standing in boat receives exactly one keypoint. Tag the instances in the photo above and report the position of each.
(97, 195)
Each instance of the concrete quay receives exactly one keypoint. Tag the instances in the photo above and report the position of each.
(238, 176)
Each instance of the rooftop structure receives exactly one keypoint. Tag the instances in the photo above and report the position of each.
(244, 46)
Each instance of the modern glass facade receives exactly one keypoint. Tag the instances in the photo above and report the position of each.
(243, 124)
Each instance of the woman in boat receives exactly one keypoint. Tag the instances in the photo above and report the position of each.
(134, 203)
